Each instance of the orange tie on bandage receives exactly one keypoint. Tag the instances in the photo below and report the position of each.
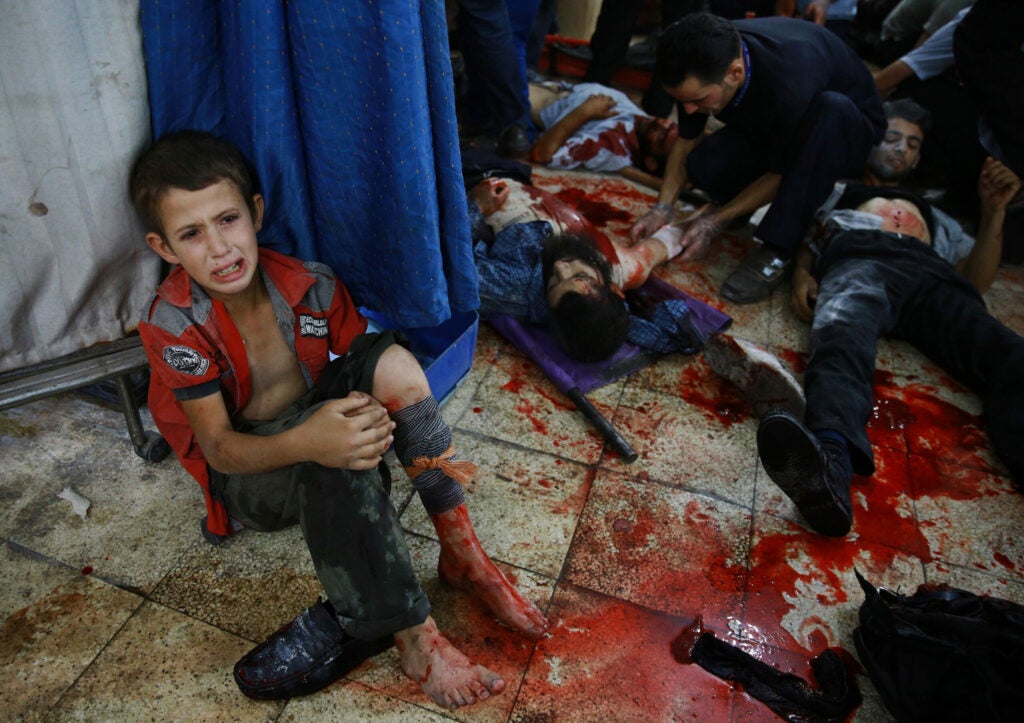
(461, 470)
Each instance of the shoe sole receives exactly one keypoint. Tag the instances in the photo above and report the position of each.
(765, 384)
(792, 461)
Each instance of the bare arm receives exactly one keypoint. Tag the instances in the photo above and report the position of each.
(702, 227)
(817, 11)
(892, 75)
(751, 198)
(349, 433)
(997, 186)
(644, 178)
(596, 106)
(674, 182)
(805, 286)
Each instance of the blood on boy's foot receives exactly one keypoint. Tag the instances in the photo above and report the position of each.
(442, 672)
(465, 565)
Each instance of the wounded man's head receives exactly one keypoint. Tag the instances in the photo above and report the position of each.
(588, 316)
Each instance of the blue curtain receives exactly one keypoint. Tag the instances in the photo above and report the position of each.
(347, 110)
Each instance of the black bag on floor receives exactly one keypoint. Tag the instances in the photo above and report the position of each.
(943, 653)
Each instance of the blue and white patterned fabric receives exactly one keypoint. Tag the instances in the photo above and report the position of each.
(347, 111)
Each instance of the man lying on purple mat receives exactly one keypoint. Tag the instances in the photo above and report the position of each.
(541, 261)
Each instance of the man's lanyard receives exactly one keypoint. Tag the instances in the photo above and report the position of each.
(748, 72)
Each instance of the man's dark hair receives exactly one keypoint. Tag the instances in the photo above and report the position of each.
(700, 44)
(589, 328)
(645, 158)
(909, 111)
(189, 160)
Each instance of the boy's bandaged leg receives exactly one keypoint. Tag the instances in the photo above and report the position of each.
(423, 443)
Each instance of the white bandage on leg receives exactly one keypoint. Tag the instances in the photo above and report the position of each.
(670, 235)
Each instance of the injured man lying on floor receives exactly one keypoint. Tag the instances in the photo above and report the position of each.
(540, 260)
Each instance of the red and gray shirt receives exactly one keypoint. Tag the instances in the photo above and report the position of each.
(195, 350)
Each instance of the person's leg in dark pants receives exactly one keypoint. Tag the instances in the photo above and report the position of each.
(610, 41)
(852, 311)
(813, 462)
(833, 142)
(521, 15)
(543, 24)
(496, 84)
(953, 328)
(726, 162)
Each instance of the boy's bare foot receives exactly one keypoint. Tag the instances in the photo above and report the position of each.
(445, 674)
(465, 565)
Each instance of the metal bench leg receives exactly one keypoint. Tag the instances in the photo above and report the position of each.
(148, 445)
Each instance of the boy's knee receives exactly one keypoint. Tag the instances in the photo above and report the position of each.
(398, 380)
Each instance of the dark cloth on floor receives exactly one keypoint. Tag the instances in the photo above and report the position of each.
(873, 284)
(352, 531)
(791, 697)
(810, 113)
(943, 653)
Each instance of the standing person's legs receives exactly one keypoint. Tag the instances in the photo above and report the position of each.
(953, 328)
(495, 80)
(546, 20)
(610, 41)
(521, 16)
(833, 142)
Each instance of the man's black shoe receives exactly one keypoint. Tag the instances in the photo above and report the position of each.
(757, 275)
(307, 654)
(810, 475)
(514, 143)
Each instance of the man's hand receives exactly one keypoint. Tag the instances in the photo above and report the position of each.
(490, 195)
(805, 293)
(657, 216)
(350, 433)
(698, 231)
(997, 185)
(599, 105)
(817, 11)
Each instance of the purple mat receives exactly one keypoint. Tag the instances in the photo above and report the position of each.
(537, 343)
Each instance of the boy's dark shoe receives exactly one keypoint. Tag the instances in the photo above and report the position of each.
(307, 654)
(810, 473)
(757, 275)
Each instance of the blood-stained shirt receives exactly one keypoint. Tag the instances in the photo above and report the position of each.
(601, 144)
(195, 349)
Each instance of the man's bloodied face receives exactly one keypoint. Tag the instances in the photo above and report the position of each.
(897, 155)
(572, 275)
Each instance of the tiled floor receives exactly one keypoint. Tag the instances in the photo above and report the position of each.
(129, 615)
